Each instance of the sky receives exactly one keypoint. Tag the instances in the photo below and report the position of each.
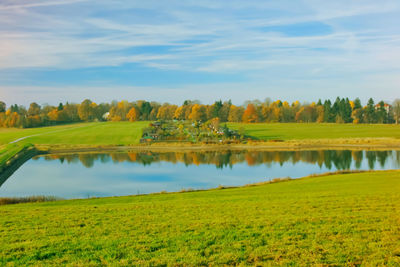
(55, 51)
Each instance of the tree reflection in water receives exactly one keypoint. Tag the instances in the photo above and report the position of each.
(338, 159)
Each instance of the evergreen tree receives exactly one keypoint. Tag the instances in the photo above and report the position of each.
(14, 108)
(2, 106)
(370, 116)
(357, 103)
(327, 111)
(381, 114)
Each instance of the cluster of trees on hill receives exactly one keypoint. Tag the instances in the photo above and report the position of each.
(340, 111)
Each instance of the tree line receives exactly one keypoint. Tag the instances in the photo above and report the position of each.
(342, 110)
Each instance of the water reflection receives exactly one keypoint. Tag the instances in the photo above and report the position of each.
(330, 159)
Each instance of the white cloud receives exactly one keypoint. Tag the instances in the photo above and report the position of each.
(205, 36)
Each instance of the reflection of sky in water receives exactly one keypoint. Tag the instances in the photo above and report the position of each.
(108, 178)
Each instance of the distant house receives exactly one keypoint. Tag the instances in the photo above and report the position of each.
(386, 106)
(106, 115)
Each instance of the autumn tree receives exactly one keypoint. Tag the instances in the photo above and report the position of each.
(357, 115)
(320, 113)
(154, 110)
(179, 113)
(71, 112)
(132, 115)
(198, 113)
(85, 110)
(53, 115)
(235, 113)
(34, 109)
(166, 112)
(250, 114)
(306, 114)
(119, 111)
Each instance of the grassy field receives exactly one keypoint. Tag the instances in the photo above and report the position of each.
(300, 131)
(341, 219)
(127, 133)
(109, 133)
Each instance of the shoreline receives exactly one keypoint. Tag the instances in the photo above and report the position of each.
(191, 190)
(378, 144)
(356, 144)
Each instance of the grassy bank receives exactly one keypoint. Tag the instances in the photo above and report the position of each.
(127, 133)
(31, 199)
(312, 131)
(9, 151)
(340, 219)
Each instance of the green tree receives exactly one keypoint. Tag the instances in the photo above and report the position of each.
(328, 117)
(85, 110)
(381, 113)
(2, 106)
(369, 114)
(34, 109)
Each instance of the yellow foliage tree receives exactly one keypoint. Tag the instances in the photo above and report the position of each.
(132, 115)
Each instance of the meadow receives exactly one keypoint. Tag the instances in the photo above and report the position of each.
(345, 219)
(128, 133)
(301, 131)
(95, 133)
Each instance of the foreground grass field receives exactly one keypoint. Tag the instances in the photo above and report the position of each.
(300, 131)
(341, 219)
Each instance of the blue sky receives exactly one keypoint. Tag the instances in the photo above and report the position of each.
(169, 51)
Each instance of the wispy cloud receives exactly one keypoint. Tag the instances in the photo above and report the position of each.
(258, 40)
(9, 5)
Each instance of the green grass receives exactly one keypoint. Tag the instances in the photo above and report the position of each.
(100, 133)
(334, 220)
(9, 151)
(298, 131)
(127, 133)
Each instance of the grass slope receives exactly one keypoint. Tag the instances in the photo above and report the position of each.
(101, 133)
(341, 219)
(298, 131)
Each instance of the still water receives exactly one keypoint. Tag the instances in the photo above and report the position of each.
(130, 173)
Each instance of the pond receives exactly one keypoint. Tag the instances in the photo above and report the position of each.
(129, 173)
